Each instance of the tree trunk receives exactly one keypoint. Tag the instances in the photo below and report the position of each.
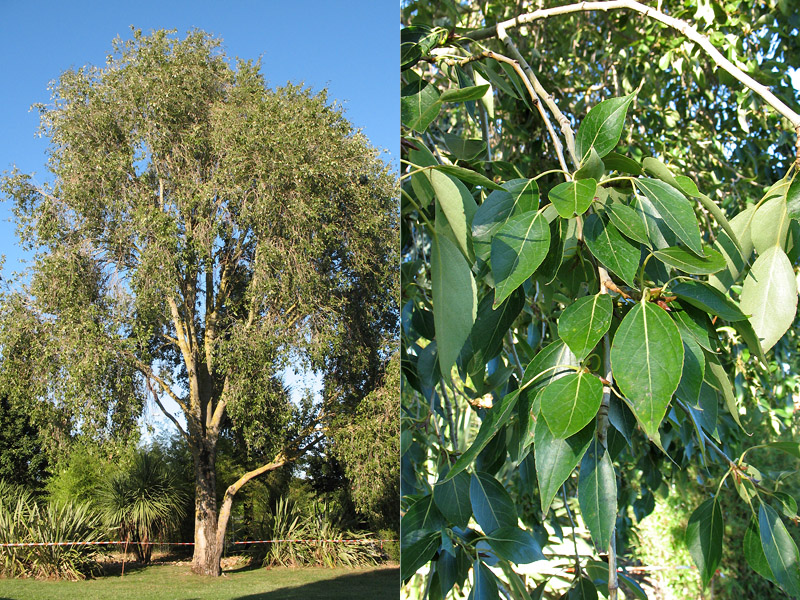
(206, 558)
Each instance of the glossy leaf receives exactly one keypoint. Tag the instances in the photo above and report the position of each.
(495, 418)
(717, 378)
(754, 551)
(617, 162)
(419, 105)
(484, 584)
(454, 300)
(769, 296)
(468, 176)
(540, 370)
(736, 253)
(628, 222)
(779, 550)
(556, 459)
(516, 545)
(592, 167)
(602, 127)
(491, 503)
(616, 253)
(708, 299)
(694, 368)
(518, 248)
(656, 168)
(475, 92)
(421, 518)
(465, 149)
(515, 197)
(417, 554)
(451, 497)
(647, 359)
(597, 495)
(573, 197)
(793, 198)
(491, 325)
(458, 206)
(583, 323)
(688, 262)
(571, 402)
(675, 210)
(704, 538)
(770, 225)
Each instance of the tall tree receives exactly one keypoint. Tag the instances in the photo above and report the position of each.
(201, 231)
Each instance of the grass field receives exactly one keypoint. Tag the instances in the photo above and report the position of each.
(176, 582)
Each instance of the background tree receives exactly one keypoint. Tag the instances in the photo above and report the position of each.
(557, 354)
(201, 231)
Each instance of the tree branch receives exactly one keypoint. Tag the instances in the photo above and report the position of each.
(687, 30)
(164, 410)
(531, 92)
(150, 374)
(566, 128)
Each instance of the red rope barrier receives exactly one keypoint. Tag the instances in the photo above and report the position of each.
(18, 544)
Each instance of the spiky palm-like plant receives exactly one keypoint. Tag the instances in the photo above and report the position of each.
(143, 502)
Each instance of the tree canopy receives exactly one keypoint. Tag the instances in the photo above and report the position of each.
(201, 232)
(599, 250)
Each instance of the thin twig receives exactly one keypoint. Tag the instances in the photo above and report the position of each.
(689, 31)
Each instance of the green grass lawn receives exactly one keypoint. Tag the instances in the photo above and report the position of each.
(176, 582)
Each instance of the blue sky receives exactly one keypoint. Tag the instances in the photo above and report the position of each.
(352, 48)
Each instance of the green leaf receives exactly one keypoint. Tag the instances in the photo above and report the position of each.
(421, 518)
(484, 584)
(557, 458)
(617, 162)
(452, 499)
(571, 402)
(515, 544)
(475, 92)
(515, 197)
(540, 370)
(583, 323)
(779, 549)
(419, 105)
(792, 448)
(717, 377)
(608, 246)
(416, 41)
(793, 198)
(769, 296)
(704, 538)
(454, 300)
(468, 176)
(694, 368)
(582, 589)
(592, 167)
(628, 222)
(687, 186)
(602, 127)
(707, 298)
(417, 554)
(491, 325)
(573, 197)
(518, 248)
(754, 551)
(647, 360)
(597, 495)
(495, 418)
(770, 225)
(458, 206)
(736, 253)
(689, 262)
(656, 168)
(491, 503)
(675, 210)
(463, 148)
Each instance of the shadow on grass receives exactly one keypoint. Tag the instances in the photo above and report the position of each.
(373, 585)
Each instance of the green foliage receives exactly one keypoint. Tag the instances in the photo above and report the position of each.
(643, 286)
(24, 520)
(142, 502)
(79, 476)
(22, 457)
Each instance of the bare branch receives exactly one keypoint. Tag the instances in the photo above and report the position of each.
(164, 410)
